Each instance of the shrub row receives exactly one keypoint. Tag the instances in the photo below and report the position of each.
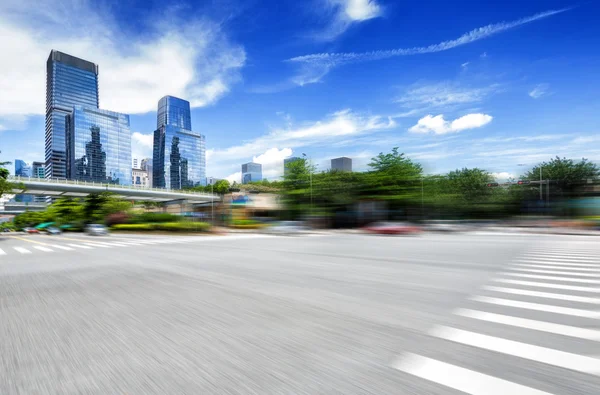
(167, 226)
(145, 218)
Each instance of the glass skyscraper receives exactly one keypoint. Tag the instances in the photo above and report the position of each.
(98, 146)
(22, 169)
(179, 154)
(251, 172)
(70, 81)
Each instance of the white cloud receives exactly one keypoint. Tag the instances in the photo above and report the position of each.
(539, 91)
(465, 65)
(318, 65)
(503, 176)
(235, 177)
(272, 161)
(193, 60)
(141, 145)
(443, 94)
(438, 125)
(344, 14)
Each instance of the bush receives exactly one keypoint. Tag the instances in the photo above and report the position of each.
(116, 219)
(146, 218)
(133, 227)
(166, 226)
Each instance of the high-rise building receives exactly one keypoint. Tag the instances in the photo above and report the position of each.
(98, 146)
(287, 161)
(179, 154)
(70, 81)
(251, 172)
(37, 169)
(135, 163)
(341, 164)
(22, 169)
(146, 165)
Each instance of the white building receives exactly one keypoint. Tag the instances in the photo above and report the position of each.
(140, 179)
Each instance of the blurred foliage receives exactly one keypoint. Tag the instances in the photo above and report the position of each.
(166, 226)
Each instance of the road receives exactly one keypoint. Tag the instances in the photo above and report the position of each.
(476, 313)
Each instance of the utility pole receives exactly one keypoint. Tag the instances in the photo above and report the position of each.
(212, 203)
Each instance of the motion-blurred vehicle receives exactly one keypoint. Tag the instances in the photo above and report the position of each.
(392, 228)
(96, 230)
(287, 228)
(53, 230)
(30, 230)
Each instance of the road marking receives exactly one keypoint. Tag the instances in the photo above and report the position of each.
(580, 363)
(538, 306)
(63, 248)
(22, 250)
(570, 256)
(461, 379)
(560, 259)
(554, 278)
(2, 252)
(563, 266)
(548, 285)
(557, 263)
(29, 241)
(526, 292)
(79, 246)
(45, 249)
(542, 326)
(572, 273)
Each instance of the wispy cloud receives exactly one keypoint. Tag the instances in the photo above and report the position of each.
(343, 14)
(194, 59)
(539, 91)
(315, 66)
(438, 125)
(441, 94)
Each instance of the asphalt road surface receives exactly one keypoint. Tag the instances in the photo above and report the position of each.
(475, 313)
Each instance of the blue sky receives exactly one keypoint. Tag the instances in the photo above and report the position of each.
(489, 84)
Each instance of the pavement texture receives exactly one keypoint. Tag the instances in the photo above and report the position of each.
(318, 314)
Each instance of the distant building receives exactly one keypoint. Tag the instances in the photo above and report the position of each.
(179, 154)
(37, 169)
(341, 164)
(98, 146)
(70, 81)
(212, 180)
(135, 163)
(146, 165)
(22, 169)
(287, 161)
(251, 172)
(140, 178)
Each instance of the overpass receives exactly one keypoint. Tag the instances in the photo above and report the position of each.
(73, 188)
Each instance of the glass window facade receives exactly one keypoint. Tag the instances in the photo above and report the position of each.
(179, 156)
(251, 172)
(98, 146)
(70, 81)
(22, 169)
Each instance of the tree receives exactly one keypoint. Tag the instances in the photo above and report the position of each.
(394, 177)
(221, 187)
(66, 211)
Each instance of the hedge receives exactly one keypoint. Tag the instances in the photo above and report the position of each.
(145, 218)
(167, 226)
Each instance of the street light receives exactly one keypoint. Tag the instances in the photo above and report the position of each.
(310, 177)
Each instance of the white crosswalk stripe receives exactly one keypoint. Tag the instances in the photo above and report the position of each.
(2, 252)
(79, 246)
(22, 250)
(539, 282)
(96, 245)
(45, 249)
(62, 247)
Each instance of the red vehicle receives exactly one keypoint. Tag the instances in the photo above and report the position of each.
(392, 228)
(31, 230)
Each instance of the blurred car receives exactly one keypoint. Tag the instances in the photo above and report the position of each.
(30, 230)
(96, 230)
(392, 228)
(287, 228)
(52, 230)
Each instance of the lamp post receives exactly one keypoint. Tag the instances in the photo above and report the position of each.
(310, 178)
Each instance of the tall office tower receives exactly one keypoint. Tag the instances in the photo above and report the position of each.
(22, 169)
(98, 146)
(287, 161)
(179, 154)
(135, 163)
(251, 172)
(70, 81)
(341, 164)
(37, 169)
(146, 165)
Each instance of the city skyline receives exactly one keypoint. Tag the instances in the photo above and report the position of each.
(483, 91)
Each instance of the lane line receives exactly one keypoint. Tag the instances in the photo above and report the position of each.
(548, 285)
(579, 363)
(22, 250)
(96, 245)
(461, 379)
(538, 306)
(28, 240)
(45, 249)
(564, 330)
(80, 246)
(539, 294)
(572, 273)
(585, 268)
(63, 248)
(557, 263)
(553, 278)
(561, 259)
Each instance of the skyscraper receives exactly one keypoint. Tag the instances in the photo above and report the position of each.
(98, 146)
(341, 164)
(37, 169)
(22, 169)
(179, 154)
(251, 172)
(70, 81)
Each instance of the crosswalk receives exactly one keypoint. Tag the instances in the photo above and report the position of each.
(541, 314)
(62, 245)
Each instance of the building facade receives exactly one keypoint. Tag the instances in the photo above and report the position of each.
(251, 172)
(140, 178)
(37, 169)
(98, 146)
(22, 169)
(70, 81)
(341, 164)
(135, 163)
(287, 161)
(179, 154)
(146, 165)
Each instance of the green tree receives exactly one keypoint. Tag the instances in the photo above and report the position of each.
(66, 211)
(394, 177)
(221, 187)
